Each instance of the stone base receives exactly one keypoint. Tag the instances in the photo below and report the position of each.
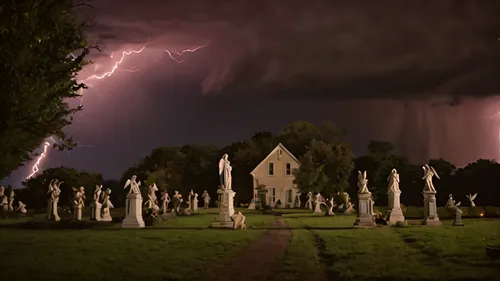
(226, 209)
(77, 210)
(395, 215)
(106, 216)
(457, 223)
(431, 221)
(458, 220)
(225, 224)
(133, 212)
(364, 222)
(430, 210)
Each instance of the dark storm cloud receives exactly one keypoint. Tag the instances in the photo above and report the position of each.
(344, 49)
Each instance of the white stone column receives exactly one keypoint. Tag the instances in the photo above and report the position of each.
(133, 211)
(77, 210)
(226, 209)
(365, 211)
(430, 209)
(395, 214)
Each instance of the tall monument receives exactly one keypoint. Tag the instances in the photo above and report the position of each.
(133, 205)
(226, 195)
(430, 209)
(394, 212)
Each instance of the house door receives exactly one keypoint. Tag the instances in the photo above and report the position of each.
(289, 198)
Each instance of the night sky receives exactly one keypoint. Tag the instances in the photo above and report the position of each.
(421, 74)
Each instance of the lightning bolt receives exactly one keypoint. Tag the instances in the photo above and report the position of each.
(36, 167)
(169, 52)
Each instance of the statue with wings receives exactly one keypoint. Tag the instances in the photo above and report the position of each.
(225, 172)
(134, 185)
(106, 202)
(393, 181)
(362, 183)
(79, 196)
(452, 205)
(429, 173)
(471, 199)
(152, 199)
(97, 193)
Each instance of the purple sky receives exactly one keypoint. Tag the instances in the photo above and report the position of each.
(383, 70)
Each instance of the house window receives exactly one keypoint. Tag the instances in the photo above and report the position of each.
(272, 195)
(288, 169)
(271, 169)
(289, 196)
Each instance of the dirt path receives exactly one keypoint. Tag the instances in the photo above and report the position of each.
(258, 260)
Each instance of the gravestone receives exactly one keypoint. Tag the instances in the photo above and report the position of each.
(365, 211)
(430, 209)
(226, 209)
(133, 211)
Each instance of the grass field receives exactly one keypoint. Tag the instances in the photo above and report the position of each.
(389, 253)
(180, 249)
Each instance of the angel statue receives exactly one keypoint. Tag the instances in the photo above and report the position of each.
(134, 185)
(79, 197)
(97, 193)
(362, 183)
(206, 199)
(393, 181)
(458, 213)
(165, 199)
(21, 207)
(106, 205)
(429, 172)
(53, 194)
(225, 172)
(152, 199)
(3, 199)
(471, 199)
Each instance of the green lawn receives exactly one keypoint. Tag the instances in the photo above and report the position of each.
(389, 253)
(179, 249)
(115, 254)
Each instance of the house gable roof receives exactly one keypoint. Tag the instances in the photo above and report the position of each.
(274, 151)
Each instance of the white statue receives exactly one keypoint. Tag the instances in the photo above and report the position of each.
(190, 200)
(195, 202)
(79, 196)
(225, 172)
(318, 202)
(362, 183)
(134, 185)
(97, 193)
(429, 173)
(177, 201)
(451, 202)
(309, 200)
(206, 199)
(471, 199)
(455, 207)
(10, 208)
(3, 199)
(330, 209)
(239, 220)
(53, 193)
(152, 202)
(165, 199)
(21, 207)
(106, 205)
(393, 181)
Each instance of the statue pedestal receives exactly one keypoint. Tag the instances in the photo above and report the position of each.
(95, 214)
(226, 209)
(53, 215)
(458, 219)
(105, 215)
(430, 209)
(77, 211)
(394, 213)
(365, 211)
(133, 211)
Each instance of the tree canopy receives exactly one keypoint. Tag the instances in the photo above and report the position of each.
(42, 48)
(327, 165)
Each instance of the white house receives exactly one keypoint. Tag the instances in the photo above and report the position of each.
(275, 173)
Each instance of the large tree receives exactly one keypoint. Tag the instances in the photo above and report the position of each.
(42, 48)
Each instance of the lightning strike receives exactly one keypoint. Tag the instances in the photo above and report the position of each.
(169, 52)
(36, 167)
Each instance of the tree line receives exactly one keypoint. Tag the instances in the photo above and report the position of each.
(328, 166)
